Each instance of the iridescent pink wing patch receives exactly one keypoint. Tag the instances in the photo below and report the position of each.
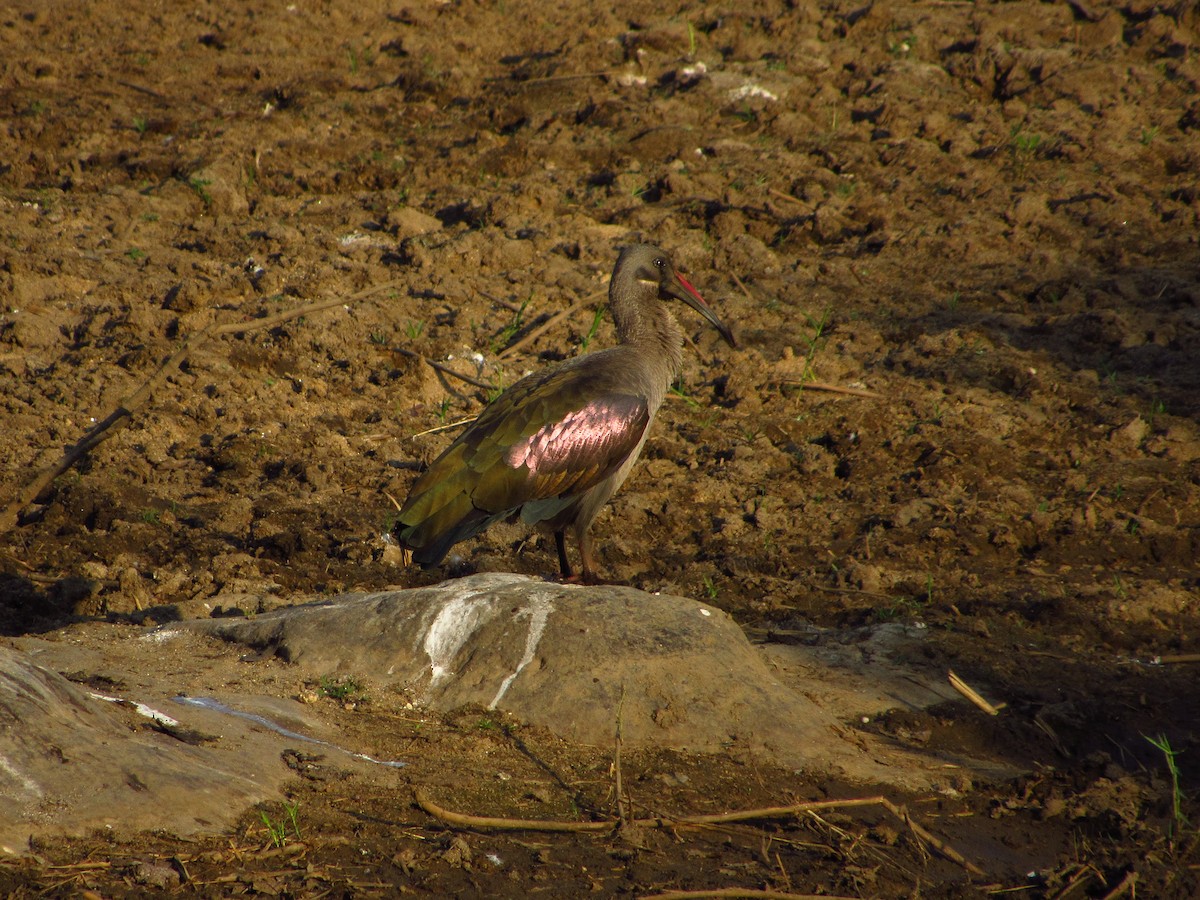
(601, 434)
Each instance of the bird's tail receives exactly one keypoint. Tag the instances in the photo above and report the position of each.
(431, 539)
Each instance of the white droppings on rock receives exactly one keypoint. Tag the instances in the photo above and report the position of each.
(452, 627)
(27, 784)
(461, 615)
(141, 708)
(538, 612)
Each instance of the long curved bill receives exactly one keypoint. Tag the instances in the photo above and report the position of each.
(683, 290)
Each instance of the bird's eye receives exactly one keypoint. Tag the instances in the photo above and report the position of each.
(660, 263)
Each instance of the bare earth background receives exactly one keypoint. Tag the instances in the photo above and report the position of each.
(984, 214)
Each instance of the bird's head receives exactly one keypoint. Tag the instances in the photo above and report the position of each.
(652, 266)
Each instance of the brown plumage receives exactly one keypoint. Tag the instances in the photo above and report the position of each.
(554, 447)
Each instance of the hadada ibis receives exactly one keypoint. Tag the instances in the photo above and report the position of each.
(554, 447)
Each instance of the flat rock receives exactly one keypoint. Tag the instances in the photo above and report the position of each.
(71, 762)
(184, 735)
(166, 741)
(678, 674)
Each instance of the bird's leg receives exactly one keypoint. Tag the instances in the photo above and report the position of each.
(588, 558)
(588, 575)
(564, 564)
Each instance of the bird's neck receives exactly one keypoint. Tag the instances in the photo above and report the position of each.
(651, 329)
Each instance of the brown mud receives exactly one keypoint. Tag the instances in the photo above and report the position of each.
(982, 218)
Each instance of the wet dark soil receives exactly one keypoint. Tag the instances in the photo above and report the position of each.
(960, 244)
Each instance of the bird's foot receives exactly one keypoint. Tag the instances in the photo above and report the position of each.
(589, 578)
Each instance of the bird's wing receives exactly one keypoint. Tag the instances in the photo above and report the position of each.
(546, 437)
(574, 450)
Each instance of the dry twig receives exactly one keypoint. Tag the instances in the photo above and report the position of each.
(504, 824)
(158, 95)
(785, 196)
(500, 301)
(622, 812)
(444, 369)
(768, 812)
(550, 79)
(447, 427)
(936, 843)
(971, 694)
(739, 283)
(524, 342)
(830, 388)
(738, 892)
(1127, 886)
